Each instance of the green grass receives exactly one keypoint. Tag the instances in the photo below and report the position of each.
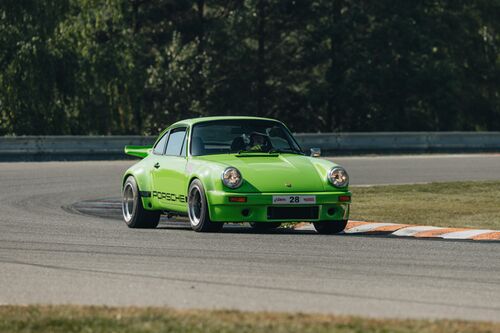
(69, 319)
(457, 204)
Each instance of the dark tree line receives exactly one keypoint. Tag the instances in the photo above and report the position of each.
(135, 66)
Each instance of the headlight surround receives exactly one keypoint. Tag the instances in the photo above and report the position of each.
(231, 178)
(338, 177)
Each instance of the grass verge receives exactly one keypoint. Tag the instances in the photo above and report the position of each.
(454, 204)
(69, 319)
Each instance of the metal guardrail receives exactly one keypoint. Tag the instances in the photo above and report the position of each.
(47, 148)
(42, 148)
(402, 141)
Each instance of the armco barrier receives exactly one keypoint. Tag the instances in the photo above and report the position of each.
(40, 148)
(46, 148)
(374, 142)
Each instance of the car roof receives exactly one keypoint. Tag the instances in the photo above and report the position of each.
(193, 121)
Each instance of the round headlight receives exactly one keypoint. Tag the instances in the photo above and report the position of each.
(338, 177)
(231, 177)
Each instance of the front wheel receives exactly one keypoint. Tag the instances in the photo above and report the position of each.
(198, 209)
(330, 227)
(134, 214)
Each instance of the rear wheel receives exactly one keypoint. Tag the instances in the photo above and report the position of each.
(263, 226)
(330, 227)
(134, 214)
(198, 209)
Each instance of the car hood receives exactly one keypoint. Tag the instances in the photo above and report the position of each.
(275, 173)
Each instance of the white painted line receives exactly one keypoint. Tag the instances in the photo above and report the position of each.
(466, 234)
(410, 231)
(390, 184)
(409, 156)
(367, 227)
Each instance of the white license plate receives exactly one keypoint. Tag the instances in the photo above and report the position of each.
(294, 199)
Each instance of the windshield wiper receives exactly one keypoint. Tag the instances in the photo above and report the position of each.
(243, 151)
(290, 151)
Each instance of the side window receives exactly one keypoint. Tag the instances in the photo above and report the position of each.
(160, 145)
(175, 142)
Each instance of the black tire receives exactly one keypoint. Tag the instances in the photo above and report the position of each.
(198, 210)
(330, 227)
(134, 214)
(265, 226)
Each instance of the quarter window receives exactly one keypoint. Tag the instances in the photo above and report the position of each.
(175, 142)
(160, 145)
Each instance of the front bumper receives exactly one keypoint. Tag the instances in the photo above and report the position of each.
(255, 209)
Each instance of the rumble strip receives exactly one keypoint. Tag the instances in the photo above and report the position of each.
(407, 230)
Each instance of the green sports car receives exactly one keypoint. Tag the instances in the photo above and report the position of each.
(233, 169)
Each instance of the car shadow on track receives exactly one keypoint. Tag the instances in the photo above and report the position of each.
(110, 209)
(236, 228)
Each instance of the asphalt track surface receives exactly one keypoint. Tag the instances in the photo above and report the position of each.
(50, 255)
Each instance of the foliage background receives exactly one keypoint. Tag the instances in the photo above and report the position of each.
(135, 66)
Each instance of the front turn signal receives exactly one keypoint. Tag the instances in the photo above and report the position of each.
(237, 199)
(344, 198)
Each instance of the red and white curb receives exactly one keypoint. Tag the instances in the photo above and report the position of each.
(417, 231)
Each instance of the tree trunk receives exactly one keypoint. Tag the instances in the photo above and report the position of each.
(334, 117)
(261, 57)
(200, 4)
(136, 105)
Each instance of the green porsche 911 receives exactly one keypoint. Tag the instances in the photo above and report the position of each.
(233, 169)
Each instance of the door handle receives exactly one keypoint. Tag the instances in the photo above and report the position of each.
(157, 165)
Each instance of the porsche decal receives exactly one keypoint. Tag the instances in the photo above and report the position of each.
(169, 196)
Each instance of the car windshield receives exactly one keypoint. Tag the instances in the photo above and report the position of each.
(241, 136)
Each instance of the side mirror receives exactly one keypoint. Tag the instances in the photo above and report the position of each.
(315, 152)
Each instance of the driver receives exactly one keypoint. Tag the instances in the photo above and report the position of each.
(258, 141)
